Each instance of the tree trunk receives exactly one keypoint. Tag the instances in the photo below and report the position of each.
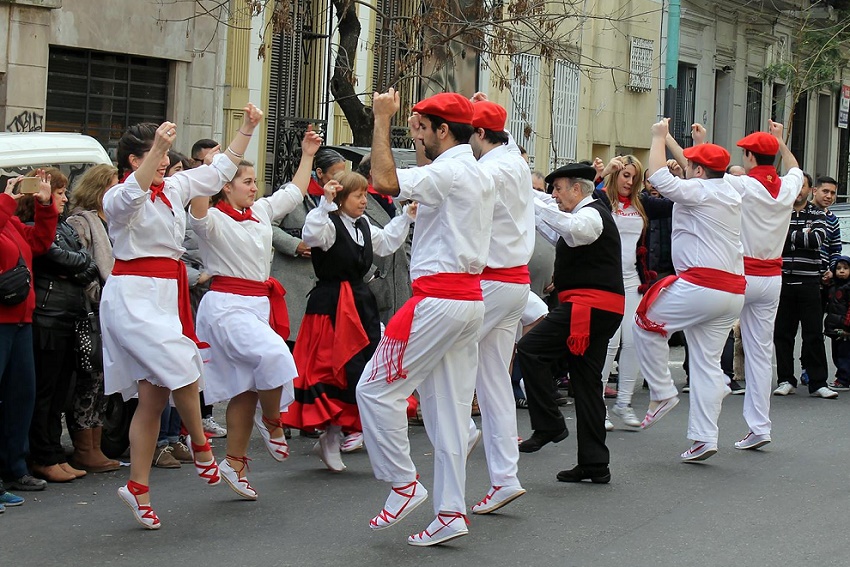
(359, 116)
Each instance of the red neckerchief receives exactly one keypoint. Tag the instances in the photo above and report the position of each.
(373, 191)
(228, 209)
(156, 190)
(627, 201)
(767, 176)
(314, 188)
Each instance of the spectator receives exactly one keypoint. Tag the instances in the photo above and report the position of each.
(837, 323)
(823, 196)
(203, 150)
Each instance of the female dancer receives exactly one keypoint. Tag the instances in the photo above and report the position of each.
(632, 210)
(243, 316)
(341, 327)
(150, 347)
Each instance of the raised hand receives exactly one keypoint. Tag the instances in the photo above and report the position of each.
(386, 104)
(311, 142)
(45, 192)
(698, 133)
(675, 168)
(478, 97)
(164, 138)
(330, 189)
(775, 129)
(10, 187)
(616, 164)
(411, 209)
(251, 117)
(661, 128)
(598, 165)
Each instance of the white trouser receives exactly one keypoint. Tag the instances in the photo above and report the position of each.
(628, 367)
(757, 318)
(504, 304)
(440, 360)
(706, 315)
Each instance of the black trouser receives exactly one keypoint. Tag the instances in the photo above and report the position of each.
(55, 361)
(800, 305)
(539, 349)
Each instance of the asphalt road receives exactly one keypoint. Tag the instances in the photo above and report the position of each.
(787, 504)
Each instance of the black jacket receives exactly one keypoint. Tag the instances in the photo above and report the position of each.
(61, 276)
(653, 249)
(838, 307)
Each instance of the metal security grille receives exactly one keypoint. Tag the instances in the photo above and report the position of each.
(640, 65)
(389, 48)
(565, 90)
(100, 94)
(686, 97)
(754, 97)
(525, 92)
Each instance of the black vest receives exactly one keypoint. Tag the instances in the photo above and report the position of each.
(598, 265)
(345, 260)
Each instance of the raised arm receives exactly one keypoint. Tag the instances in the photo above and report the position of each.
(309, 146)
(788, 159)
(251, 117)
(384, 178)
(657, 152)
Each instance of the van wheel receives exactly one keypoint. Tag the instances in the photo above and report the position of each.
(116, 425)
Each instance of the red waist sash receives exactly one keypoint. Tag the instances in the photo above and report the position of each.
(756, 267)
(271, 288)
(583, 301)
(169, 269)
(517, 274)
(390, 352)
(703, 277)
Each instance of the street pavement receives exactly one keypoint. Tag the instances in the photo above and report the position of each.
(787, 504)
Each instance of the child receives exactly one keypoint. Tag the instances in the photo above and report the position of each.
(837, 323)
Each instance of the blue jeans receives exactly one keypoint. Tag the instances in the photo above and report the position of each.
(169, 426)
(17, 397)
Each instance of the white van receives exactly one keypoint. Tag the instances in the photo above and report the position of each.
(72, 153)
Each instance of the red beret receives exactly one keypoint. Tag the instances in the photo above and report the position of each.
(451, 107)
(489, 115)
(711, 156)
(760, 143)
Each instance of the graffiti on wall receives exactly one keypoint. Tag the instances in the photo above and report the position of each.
(26, 121)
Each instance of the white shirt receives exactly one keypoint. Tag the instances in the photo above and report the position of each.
(764, 221)
(243, 249)
(456, 199)
(580, 227)
(512, 237)
(319, 230)
(139, 227)
(630, 226)
(706, 222)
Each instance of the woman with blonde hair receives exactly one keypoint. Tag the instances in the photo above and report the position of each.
(85, 420)
(632, 210)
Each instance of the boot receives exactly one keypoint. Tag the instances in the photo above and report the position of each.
(71, 470)
(87, 454)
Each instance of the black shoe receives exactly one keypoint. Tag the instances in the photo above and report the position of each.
(561, 399)
(287, 433)
(540, 438)
(596, 475)
(521, 403)
(736, 387)
(311, 433)
(27, 483)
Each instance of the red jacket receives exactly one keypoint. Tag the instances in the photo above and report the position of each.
(16, 239)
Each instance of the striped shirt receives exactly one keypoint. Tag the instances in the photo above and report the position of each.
(830, 250)
(801, 258)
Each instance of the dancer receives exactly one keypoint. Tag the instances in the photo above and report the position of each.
(431, 344)
(589, 280)
(150, 347)
(706, 296)
(342, 326)
(505, 284)
(243, 317)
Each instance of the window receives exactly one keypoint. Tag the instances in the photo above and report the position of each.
(525, 92)
(100, 94)
(686, 97)
(753, 122)
(564, 113)
(798, 129)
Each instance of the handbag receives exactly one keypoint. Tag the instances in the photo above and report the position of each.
(88, 341)
(15, 283)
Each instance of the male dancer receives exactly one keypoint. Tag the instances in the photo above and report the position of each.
(431, 344)
(505, 284)
(704, 298)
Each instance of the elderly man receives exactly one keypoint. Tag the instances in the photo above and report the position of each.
(589, 280)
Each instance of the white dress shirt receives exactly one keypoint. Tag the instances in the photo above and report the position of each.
(456, 199)
(580, 227)
(319, 230)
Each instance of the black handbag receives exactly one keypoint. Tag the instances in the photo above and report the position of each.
(88, 341)
(15, 283)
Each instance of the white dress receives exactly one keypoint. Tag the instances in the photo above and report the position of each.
(246, 354)
(142, 333)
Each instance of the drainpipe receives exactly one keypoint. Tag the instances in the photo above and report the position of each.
(674, 13)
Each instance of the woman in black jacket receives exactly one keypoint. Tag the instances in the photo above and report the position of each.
(60, 277)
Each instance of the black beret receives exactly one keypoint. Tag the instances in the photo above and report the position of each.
(573, 171)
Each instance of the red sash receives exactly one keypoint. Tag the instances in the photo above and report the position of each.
(168, 269)
(703, 277)
(390, 352)
(517, 274)
(583, 300)
(757, 267)
(271, 288)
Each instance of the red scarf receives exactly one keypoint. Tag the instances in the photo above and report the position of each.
(314, 188)
(627, 201)
(767, 176)
(583, 301)
(374, 191)
(271, 288)
(156, 190)
(228, 209)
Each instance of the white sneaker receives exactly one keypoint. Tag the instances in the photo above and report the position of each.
(699, 451)
(497, 497)
(445, 527)
(662, 408)
(627, 414)
(351, 443)
(401, 502)
(212, 428)
(824, 392)
(609, 426)
(240, 486)
(752, 441)
(784, 389)
(327, 449)
(472, 442)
